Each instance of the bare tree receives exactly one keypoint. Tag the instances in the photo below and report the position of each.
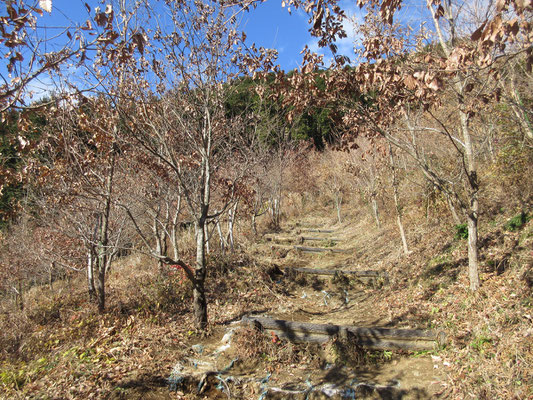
(180, 119)
(73, 174)
(398, 75)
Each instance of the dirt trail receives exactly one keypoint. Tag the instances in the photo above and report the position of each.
(318, 299)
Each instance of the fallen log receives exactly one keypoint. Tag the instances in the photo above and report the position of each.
(371, 338)
(318, 230)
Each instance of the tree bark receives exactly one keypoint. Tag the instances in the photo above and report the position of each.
(90, 273)
(375, 210)
(19, 298)
(397, 201)
(455, 217)
(474, 205)
(103, 240)
(232, 212)
(51, 275)
(221, 237)
(338, 202)
(161, 244)
(206, 238)
(101, 265)
(199, 299)
(174, 230)
(473, 272)
(254, 223)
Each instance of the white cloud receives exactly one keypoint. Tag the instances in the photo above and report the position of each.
(345, 46)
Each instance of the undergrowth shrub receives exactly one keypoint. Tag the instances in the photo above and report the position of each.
(220, 264)
(251, 344)
(171, 294)
(517, 222)
(461, 231)
(12, 338)
(346, 351)
(46, 311)
(17, 376)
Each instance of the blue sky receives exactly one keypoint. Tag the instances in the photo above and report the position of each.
(269, 25)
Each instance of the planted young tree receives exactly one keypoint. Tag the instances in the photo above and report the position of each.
(175, 113)
(73, 171)
(365, 165)
(393, 165)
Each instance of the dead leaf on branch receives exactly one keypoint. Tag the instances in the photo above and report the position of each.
(46, 5)
(435, 84)
(501, 5)
(477, 33)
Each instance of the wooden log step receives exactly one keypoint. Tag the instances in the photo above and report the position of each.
(281, 239)
(318, 230)
(371, 338)
(319, 249)
(323, 239)
(316, 271)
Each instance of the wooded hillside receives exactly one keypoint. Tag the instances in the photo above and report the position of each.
(183, 181)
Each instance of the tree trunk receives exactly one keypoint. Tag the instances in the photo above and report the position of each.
(399, 220)
(199, 299)
(471, 169)
(51, 275)
(232, 212)
(90, 273)
(103, 241)
(100, 282)
(19, 299)
(206, 238)
(161, 248)
(338, 202)
(254, 223)
(473, 213)
(221, 236)
(397, 201)
(375, 210)
(275, 212)
(174, 230)
(473, 272)
(455, 217)
(518, 107)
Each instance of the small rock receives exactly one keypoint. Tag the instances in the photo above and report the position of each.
(227, 337)
(198, 348)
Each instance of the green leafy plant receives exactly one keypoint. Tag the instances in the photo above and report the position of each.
(517, 222)
(328, 243)
(461, 231)
(480, 342)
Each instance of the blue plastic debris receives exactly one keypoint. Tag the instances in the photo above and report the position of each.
(309, 386)
(263, 382)
(326, 296)
(198, 348)
(230, 365)
(175, 378)
(349, 394)
(266, 379)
